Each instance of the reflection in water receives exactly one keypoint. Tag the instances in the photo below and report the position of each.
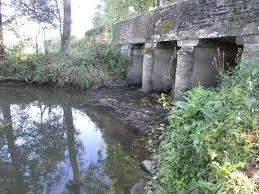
(55, 147)
(13, 151)
(75, 183)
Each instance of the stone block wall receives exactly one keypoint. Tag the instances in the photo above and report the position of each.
(195, 29)
(191, 19)
(132, 30)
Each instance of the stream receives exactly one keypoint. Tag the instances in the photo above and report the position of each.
(53, 141)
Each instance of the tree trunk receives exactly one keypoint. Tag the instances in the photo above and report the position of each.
(13, 150)
(158, 3)
(1, 36)
(65, 42)
(44, 41)
(36, 45)
(59, 18)
(71, 148)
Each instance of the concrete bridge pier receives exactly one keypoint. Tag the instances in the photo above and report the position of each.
(148, 62)
(159, 64)
(194, 63)
(250, 45)
(184, 67)
(134, 73)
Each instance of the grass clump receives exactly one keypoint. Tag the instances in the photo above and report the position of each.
(86, 66)
(204, 148)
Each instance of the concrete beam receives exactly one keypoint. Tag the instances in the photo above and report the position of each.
(188, 43)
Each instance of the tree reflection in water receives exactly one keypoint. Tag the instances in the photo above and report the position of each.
(38, 152)
(55, 148)
(73, 185)
(16, 172)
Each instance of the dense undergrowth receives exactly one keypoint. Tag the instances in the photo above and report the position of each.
(206, 145)
(86, 66)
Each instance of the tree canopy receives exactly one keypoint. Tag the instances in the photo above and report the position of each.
(40, 11)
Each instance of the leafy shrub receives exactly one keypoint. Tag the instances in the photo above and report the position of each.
(85, 66)
(204, 143)
(94, 31)
(78, 45)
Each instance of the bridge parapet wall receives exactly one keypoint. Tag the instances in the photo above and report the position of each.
(191, 19)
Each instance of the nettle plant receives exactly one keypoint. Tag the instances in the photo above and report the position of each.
(204, 149)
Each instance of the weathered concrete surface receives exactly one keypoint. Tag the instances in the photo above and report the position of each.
(148, 63)
(194, 62)
(251, 46)
(184, 67)
(134, 73)
(126, 49)
(195, 19)
(159, 64)
(184, 71)
(204, 73)
(164, 69)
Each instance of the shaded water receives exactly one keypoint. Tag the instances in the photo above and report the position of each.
(53, 141)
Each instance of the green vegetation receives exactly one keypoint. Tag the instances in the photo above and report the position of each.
(206, 145)
(93, 32)
(166, 26)
(115, 10)
(85, 66)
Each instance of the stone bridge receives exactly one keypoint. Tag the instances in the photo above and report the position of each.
(171, 48)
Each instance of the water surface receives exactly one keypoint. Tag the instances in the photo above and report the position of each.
(53, 141)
